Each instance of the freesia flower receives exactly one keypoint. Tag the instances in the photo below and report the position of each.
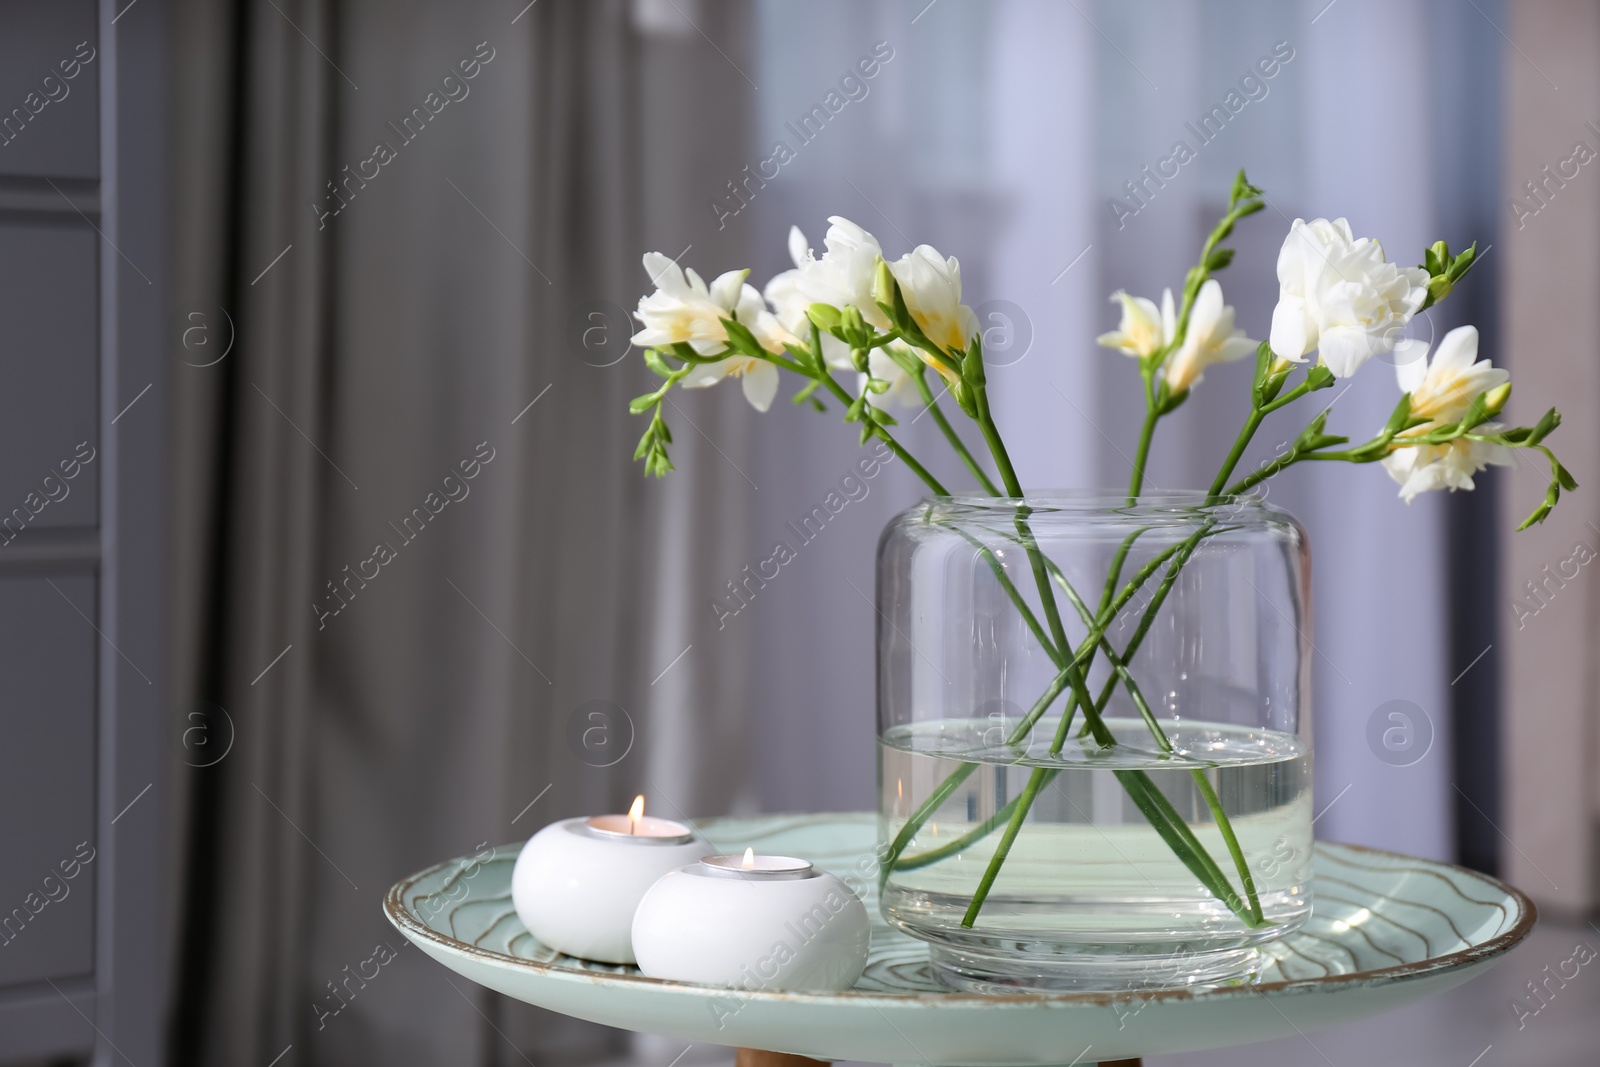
(792, 292)
(931, 286)
(683, 309)
(758, 377)
(1143, 330)
(1209, 338)
(1442, 391)
(1338, 296)
(842, 277)
(902, 386)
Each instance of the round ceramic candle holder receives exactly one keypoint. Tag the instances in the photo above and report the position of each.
(578, 882)
(753, 922)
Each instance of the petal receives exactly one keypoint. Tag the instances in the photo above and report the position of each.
(1235, 348)
(1423, 478)
(968, 320)
(1400, 463)
(749, 305)
(665, 274)
(761, 385)
(1292, 257)
(799, 250)
(1410, 363)
(708, 374)
(726, 290)
(844, 237)
(783, 293)
(1169, 318)
(1115, 339)
(1289, 334)
(1457, 352)
(1498, 455)
(1142, 311)
(1344, 349)
(1207, 310)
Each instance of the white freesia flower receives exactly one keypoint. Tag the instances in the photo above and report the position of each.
(902, 386)
(758, 377)
(752, 313)
(1338, 296)
(1209, 338)
(683, 309)
(1143, 330)
(792, 292)
(842, 277)
(931, 286)
(1442, 391)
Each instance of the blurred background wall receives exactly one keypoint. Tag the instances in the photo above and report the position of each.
(337, 332)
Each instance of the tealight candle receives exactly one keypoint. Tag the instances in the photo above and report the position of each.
(755, 922)
(578, 882)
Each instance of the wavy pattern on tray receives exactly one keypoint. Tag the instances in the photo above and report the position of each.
(1376, 914)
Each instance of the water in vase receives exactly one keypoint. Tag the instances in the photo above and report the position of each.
(1091, 894)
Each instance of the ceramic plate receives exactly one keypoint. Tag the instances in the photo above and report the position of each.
(1385, 930)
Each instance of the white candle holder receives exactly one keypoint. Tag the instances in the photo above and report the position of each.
(754, 922)
(578, 882)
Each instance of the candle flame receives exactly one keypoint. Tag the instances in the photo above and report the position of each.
(635, 813)
(749, 858)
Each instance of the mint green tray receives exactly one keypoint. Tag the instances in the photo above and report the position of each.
(1386, 930)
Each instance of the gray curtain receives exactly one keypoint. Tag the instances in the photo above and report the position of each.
(412, 542)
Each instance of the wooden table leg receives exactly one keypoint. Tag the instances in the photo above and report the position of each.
(754, 1057)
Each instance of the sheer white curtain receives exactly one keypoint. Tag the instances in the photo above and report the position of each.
(1001, 132)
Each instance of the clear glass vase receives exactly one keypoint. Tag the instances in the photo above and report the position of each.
(1094, 737)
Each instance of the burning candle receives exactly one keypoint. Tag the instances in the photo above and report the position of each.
(755, 922)
(578, 882)
(637, 824)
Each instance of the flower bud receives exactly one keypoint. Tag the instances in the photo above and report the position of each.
(883, 283)
(850, 320)
(1495, 399)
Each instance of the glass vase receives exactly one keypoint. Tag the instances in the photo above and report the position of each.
(1094, 737)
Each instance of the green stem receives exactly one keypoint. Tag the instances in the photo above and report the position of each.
(1146, 434)
(954, 438)
(997, 447)
(1261, 474)
(1225, 826)
(1036, 782)
(1251, 424)
(960, 844)
(944, 789)
(1008, 476)
(1017, 600)
(886, 437)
